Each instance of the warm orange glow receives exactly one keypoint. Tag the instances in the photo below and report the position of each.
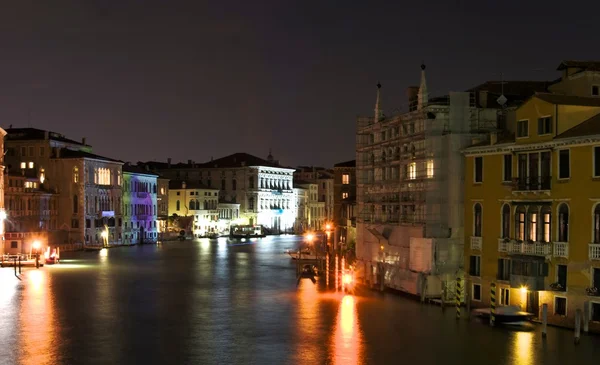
(347, 340)
(347, 278)
(307, 323)
(522, 351)
(36, 245)
(309, 237)
(38, 328)
(328, 226)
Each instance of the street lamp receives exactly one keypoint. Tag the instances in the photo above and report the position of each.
(104, 235)
(36, 246)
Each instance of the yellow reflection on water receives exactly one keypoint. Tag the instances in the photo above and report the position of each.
(308, 323)
(38, 330)
(523, 348)
(347, 341)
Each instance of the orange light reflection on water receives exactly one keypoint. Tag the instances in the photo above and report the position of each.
(347, 338)
(308, 322)
(523, 348)
(38, 330)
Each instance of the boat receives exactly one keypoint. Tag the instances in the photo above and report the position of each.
(511, 315)
(303, 255)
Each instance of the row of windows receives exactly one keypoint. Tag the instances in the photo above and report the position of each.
(532, 223)
(536, 165)
(197, 205)
(139, 186)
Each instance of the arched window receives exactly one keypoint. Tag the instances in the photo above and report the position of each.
(197, 204)
(532, 224)
(177, 205)
(520, 223)
(597, 223)
(192, 205)
(477, 215)
(75, 174)
(546, 221)
(75, 204)
(505, 221)
(233, 184)
(563, 223)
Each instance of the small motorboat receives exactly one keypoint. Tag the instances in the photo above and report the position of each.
(303, 255)
(510, 315)
(309, 271)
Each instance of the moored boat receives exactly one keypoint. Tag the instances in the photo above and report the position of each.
(303, 255)
(506, 314)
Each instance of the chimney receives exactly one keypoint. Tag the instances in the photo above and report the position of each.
(483, 98)
(83, 141)
(169, 162)
(493, 138)
(412, 93)
(46, 135)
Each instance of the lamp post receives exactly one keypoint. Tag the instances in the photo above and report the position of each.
(36, 246)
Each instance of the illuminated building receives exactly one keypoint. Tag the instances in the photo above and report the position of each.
(316, 217)
(140, 209)
(344, 198)
(301, 198)
(162, 202)
(532, 209)
(3, 214)
(194, 199)
(324, 179)
(88, 185)
(410, 182)
(33, 214)
(262, 188)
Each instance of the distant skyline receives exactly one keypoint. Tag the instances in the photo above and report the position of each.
(148, 80)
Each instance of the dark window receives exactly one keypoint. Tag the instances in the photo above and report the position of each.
(75, 204)
(561, 275)
(507, 167)
(250, 203)
(564, 164)
(597, 223)
(563, 223)
(505, 221)
(545, 125)
(595, 312)
(177, 205)
(595, 90)
(596, 278)
(503, 269)
(560, 306)
(596, 161)
(14, 244)
(477, 220)
(223, 184)
(74, 223)
(234, 185)
(523, 128)
(251, 182)
(478, 169)
(476, 292)
(88, 223)
(474, 266)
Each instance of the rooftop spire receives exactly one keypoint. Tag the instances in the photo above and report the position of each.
(378, 109)
(270, 157)
(423, 97)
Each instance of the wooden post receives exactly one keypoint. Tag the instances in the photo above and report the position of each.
(468, 298)
(458, 293)
(493, 304)
(423, 287)
(577, 326)
(586, 315)
(443, 296)
(544, 319)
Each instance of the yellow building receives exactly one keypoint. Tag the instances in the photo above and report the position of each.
(532, 212)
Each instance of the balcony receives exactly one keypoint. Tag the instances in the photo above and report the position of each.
(594, 253)
(530, 282)
(142, 194)
(503, 244)
(476, 243)
(533, 249)
(537, 183)
(561, 249)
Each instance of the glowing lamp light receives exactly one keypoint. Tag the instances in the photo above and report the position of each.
(347, 278)
(328, 227)
(2, 215)
(104, 234)
(310, 237)
(36, 245)
(523, 289)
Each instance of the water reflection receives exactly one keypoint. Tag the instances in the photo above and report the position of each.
(523, 348)
(38, 330)
(308, 323)
(347, 341)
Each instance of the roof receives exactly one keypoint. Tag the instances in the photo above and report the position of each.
(346, 164)
(240, 159)
(132, 169)
(516, 92)
(568, 99)
(303, 182)
(587, 65)
(67, 153)
(28, 134)
(589, 127)
(189, 184)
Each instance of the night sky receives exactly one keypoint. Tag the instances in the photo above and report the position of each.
(147, 80)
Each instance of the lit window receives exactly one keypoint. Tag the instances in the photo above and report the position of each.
(162, 191)
(344, 195)
(429, 168)
(23, 165)
(412, 171)
(75, 175)
(102, 176)
(42, 176)
(346, 179)
(30, 165)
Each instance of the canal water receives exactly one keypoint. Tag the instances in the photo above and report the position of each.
(214, 302)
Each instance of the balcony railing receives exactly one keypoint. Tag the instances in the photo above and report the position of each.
(561, 249)
(503, 245)
(476, 243)
(594, 251)
(534, 283)
(534, 249)
(537, 183)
